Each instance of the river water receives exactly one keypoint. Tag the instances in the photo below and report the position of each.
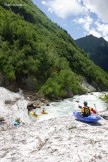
(56, 109)
(67, 106)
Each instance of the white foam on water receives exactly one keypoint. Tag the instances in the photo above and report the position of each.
(56, 109)
(67, 106)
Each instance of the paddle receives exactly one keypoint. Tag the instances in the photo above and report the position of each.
(95, 108)
(96, 111)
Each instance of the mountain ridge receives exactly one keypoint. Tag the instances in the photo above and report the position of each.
(96, 48)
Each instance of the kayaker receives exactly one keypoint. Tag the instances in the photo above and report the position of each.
(43, 110)
(34, 114)
(18, 120)
(86, 110)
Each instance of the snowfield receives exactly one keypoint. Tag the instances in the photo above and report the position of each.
(51, 138)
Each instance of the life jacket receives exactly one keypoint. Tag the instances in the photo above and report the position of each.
(86, 111)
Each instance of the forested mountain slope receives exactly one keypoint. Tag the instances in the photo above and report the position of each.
(97, 49)
(36, 54)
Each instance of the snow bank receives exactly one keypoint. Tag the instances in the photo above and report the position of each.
(56, 140)
(16, 106)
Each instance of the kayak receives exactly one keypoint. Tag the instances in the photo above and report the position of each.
(90, 119)
(44, 112)
(34, 115)
(16, 123)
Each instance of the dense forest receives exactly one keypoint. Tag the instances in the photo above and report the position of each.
(96, 48)
(38, 55)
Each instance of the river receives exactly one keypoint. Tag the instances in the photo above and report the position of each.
(56, 109)
(67, 106)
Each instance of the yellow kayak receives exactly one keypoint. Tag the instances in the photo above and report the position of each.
(34, 115)
(44, 112)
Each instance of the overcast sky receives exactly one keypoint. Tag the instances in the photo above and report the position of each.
(78, 17)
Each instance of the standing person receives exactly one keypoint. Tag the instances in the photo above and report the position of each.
(86, 110)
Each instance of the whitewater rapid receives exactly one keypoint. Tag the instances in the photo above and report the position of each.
(66, 107)
(63, 108)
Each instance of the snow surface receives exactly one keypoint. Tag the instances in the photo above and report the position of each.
(56, 137)
(9, 111)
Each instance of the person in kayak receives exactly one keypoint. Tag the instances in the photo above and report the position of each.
(33, 113)
(18, 120)
(86, 110)
(43, 110)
